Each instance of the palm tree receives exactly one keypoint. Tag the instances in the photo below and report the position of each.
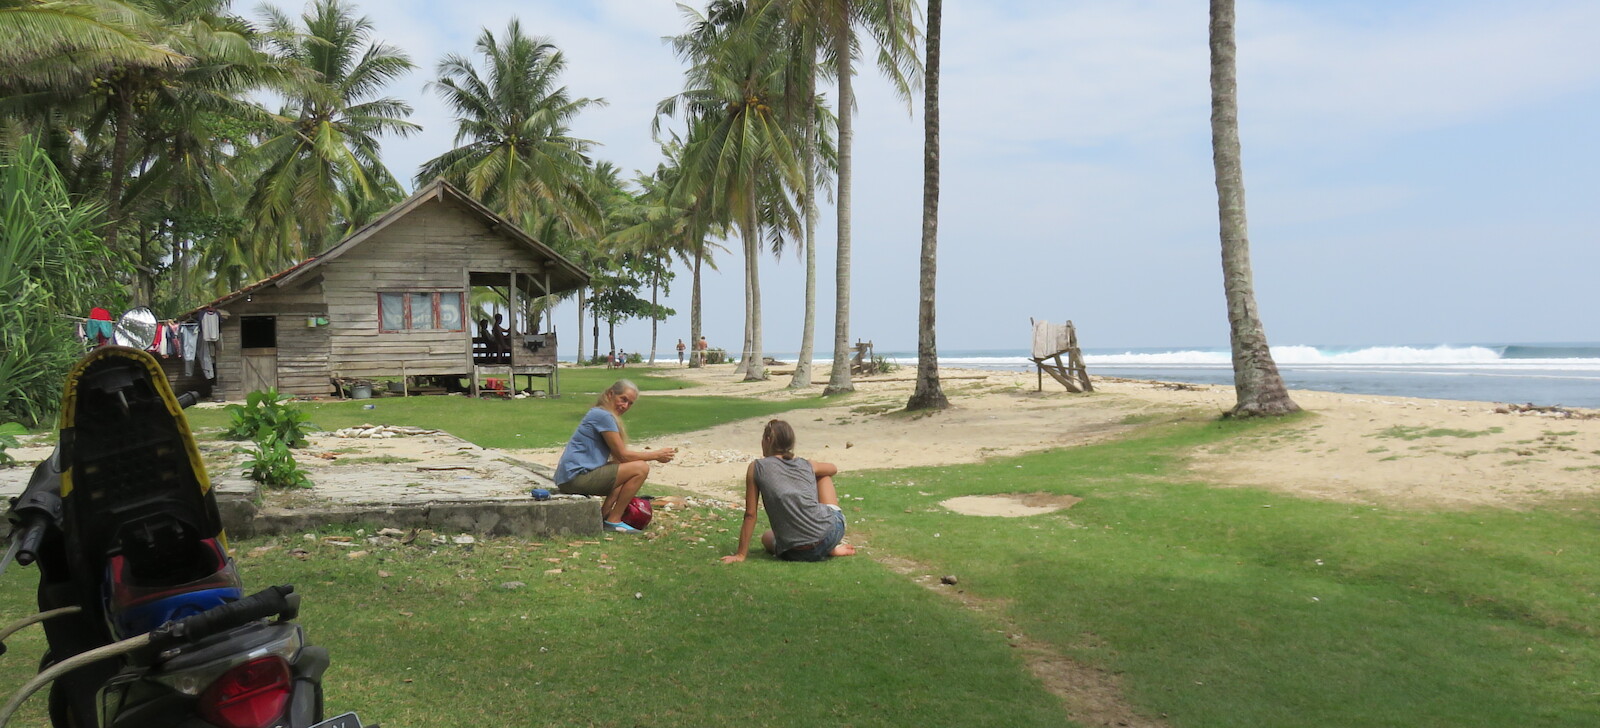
(740, 152)
(667, 230)
(515, 151)
(322, 160)
(1258, 388)
(48, 45)
(929, 395)
(891, 24)
(158, 103)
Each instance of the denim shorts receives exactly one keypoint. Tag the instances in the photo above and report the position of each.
(822, 550)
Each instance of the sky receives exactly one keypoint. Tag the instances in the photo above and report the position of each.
(1417, 172)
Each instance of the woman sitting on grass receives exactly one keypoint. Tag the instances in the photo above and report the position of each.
(802, 505)
(597, 460)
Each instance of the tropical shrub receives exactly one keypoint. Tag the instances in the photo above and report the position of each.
(267, 412)
(52, 262)
(272, 464)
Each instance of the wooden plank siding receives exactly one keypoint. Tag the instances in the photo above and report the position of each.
(432, 248)
(302, 350)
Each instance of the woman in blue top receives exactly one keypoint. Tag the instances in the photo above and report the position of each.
(597, 460)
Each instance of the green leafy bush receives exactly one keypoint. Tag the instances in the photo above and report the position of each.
(272, 464)
(268, 413)
(881, 365)
(8, 439)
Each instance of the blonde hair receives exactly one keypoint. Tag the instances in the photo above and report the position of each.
(608, 402)
(778, 437)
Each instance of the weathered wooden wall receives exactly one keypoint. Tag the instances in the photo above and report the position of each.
(302, 351)
(433, 248)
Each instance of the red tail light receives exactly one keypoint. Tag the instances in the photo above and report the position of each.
(251, 695)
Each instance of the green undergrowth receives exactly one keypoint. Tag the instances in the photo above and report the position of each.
(537, 421)
(1238, 607)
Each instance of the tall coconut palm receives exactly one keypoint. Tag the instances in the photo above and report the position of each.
(740, 153)
(666, 228)
(891, 24)
(322, 158)
(515, 149)
(1258, 388)
(928, 394)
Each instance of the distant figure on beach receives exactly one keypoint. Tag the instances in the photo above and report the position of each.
(701, 349)
(597, 460)
(802, 505)
(681, 347)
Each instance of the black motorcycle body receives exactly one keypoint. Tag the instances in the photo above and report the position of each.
(123, 524)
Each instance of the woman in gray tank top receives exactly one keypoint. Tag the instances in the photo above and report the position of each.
(802, 505)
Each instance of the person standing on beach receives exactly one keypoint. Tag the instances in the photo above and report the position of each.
(597, 460)
(802, 505)
(702, 346)
(681, 347)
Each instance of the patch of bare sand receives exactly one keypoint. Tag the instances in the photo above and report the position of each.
(1010, 505)
(992, 414)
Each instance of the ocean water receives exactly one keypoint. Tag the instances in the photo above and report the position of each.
(1565, 374)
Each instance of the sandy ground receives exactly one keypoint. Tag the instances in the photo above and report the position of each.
(1365, 449)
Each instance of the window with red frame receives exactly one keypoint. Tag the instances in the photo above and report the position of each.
(420, 311)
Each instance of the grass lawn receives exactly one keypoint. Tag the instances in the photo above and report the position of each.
(631, 632)
(1213, 606)
(1234, 607)
(539, 422)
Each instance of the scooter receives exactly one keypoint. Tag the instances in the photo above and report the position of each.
(142, 605)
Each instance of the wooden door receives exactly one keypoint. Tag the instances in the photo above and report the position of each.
(260, 369)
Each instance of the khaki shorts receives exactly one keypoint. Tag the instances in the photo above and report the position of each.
(599, 481)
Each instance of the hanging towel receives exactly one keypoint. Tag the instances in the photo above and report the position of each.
(189, 346)
(210, 325)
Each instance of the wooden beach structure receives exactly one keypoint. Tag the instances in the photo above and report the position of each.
(393, 301)
(1050, 342)
(863, 363)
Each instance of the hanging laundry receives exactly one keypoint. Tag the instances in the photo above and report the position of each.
(166, 343)
(210, 325)
(189, 346)
(98, 330)
(208, 359)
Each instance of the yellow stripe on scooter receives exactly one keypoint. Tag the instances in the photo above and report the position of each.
(69, 401)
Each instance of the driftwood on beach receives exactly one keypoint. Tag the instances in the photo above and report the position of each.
(1556, 411)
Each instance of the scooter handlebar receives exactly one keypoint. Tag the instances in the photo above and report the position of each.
(274, 600)
(28, 536)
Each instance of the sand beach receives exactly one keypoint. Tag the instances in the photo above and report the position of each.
(1392, 451)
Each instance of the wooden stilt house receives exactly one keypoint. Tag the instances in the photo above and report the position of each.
(392, 301)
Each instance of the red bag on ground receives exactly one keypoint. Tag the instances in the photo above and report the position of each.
(638, 513)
